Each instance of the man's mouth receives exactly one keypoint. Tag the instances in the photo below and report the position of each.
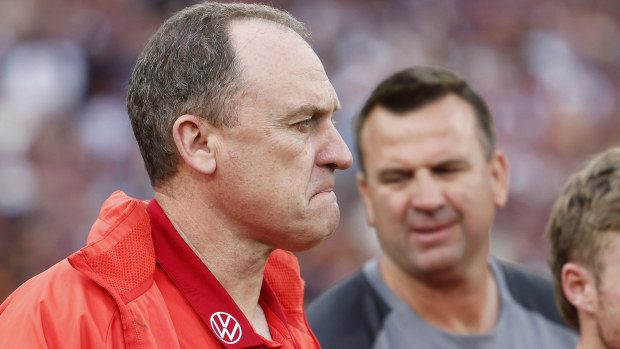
(430, 234)
(428, 229)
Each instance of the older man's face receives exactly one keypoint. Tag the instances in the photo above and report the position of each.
(278, 163)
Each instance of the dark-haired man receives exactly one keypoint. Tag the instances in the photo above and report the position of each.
(232, 111)
(431, 180)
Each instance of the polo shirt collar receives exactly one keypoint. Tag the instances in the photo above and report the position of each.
(206, 295)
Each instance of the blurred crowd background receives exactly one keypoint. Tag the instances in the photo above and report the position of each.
(549, 70)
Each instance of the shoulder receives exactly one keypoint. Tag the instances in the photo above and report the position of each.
(61, 284)
(54, 306)
(532, 290)
(348, 315)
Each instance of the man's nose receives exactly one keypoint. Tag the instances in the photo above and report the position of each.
(334, 153)
(427, 193)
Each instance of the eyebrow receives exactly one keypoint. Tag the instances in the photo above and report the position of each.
(311, 109)
(406, 172)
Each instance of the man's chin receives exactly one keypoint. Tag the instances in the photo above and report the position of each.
(310, 241)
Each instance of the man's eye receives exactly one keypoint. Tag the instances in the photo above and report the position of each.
(305, 125)
(390, 180)
(394, 179)
(448, 170)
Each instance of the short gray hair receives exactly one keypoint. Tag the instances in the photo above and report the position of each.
(189, 67)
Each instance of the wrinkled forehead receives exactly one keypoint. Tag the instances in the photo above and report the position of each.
(447, 117)
(275, 59)
(264, 48)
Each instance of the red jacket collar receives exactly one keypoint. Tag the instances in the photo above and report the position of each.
(119, 255)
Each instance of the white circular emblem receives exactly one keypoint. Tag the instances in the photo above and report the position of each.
(226, 327)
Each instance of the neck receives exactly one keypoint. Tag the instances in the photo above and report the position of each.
(467, 303)
(237, 263)
(590, 335)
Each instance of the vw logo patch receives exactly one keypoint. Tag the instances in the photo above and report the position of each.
(226, 327)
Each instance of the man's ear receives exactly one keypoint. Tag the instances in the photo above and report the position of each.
(363, 188)
(579, 287)
(195, 141)
(499, 173)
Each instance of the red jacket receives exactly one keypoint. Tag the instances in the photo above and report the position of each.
(105, 296)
